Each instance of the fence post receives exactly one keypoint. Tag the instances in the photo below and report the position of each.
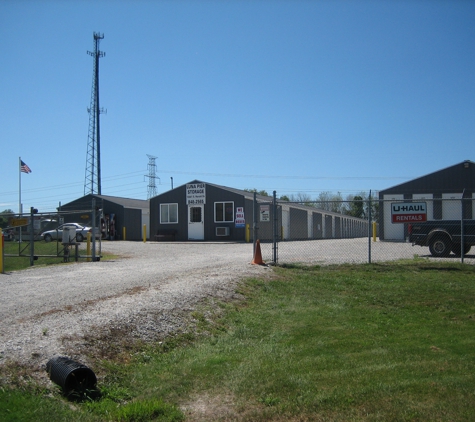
(274, 227)
(462, 240)
(93, 229)
(369, 228)
(254, 223)
(33, 211)
(2, 254)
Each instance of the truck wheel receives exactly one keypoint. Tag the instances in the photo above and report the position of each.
(440, 247)
(457, 250)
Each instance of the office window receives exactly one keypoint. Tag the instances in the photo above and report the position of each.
(224, 212)
(168, 213)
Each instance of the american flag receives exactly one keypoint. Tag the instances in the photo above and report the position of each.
(24, 167)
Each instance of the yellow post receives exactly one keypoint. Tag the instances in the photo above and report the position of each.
(374, 231)
(123, 233)
(88, 247)
(144, 233)
(248, 233)
(2, 244)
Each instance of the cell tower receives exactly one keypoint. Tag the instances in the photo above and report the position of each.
(92, 180)
(152, 175)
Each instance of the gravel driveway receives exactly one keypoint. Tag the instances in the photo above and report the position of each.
(46, 311)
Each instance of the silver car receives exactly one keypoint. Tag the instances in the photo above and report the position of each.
(81, 232)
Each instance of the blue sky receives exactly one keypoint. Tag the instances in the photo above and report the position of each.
(293, 96)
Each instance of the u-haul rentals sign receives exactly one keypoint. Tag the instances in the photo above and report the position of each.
(402, 212)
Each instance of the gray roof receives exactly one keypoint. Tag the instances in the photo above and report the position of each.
(126, 202)
(444, 177)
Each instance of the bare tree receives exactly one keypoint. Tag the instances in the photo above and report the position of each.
(302, 198)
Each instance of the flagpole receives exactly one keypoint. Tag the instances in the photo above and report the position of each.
(19, 192)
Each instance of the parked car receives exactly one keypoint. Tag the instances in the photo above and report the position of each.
(81, 232)
(8, 234)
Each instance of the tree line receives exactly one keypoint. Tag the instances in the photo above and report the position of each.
(353, 205)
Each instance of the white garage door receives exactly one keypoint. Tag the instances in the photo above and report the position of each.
(451, 206)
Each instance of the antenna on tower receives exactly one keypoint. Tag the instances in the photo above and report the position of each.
(92, 180)
(152, 175)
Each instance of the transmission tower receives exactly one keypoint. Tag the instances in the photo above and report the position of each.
(152, 171)
(92, 180)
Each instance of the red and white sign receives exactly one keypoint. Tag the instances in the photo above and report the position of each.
(240, 221)
(408, 212)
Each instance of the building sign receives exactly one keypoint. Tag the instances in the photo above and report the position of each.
(196, 193)
(264, 213)
(240, 220)
(408, 212)
(17, 222)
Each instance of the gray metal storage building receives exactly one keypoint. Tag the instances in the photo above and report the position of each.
(442, 191)
(117, 214)
(204, 211)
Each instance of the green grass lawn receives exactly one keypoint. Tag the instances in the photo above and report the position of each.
(49, 253)
(378, 342)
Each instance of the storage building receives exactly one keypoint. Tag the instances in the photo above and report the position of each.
(114, 213)
(205, 211)
(441, 191)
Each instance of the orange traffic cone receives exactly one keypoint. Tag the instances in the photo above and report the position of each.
(257, 260)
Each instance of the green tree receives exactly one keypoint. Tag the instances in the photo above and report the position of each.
(259, 192)
(356, 206)
(5, 216)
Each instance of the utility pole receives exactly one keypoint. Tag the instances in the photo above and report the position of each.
(92, 180)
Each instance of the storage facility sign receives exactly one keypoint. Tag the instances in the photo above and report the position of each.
(196, 193)
(408, 212)
(240, 220)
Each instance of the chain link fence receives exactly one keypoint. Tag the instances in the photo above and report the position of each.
(57, 234)
(365, 231)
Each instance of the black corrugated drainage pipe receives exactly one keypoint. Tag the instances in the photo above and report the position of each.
(77, 380)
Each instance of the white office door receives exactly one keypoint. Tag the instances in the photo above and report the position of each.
(196, 226)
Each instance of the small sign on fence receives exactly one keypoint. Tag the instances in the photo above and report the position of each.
(407, 212)
(265, 213)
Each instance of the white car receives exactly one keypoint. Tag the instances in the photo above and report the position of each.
(81, 232)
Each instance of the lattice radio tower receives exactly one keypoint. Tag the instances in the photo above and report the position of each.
(92, 180)
(152, 175)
